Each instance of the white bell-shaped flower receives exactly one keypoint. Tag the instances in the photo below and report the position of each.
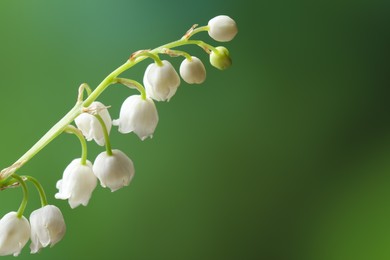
(14, 234)
(77, 183)
(47, 227)
(114, 171)
(222, 28)
(90, 125)
(193, 71)
(139, 116)
(161, 82)
(221, 58)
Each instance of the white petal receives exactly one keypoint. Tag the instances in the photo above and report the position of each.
(47, 227)
(90, 125)
(113, 171)
(78, 183)
(138, 116)
(14, 234)
(193, 71)
(161, 82)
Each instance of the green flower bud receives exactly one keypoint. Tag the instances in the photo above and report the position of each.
(221, 59)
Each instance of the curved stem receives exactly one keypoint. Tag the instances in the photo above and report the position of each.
(59, 127)
(175, 53)
(23, 205)
(133, 84)
(73, 130)
(194, 31)
(148, 54)
(56, 130)
(40, 189)
(110, 79)
(83, 87)
(106, 135)
(8, 183)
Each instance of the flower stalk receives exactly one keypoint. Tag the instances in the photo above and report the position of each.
(23, 205)
(113, 168)
(61, 125)
(106, 136)
(84, 150)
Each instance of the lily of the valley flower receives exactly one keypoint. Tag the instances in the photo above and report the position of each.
(14, 234)
(47, 227)
(139, 116)
(89, 124)
(77, 183)
(193, 71)
(114, 171)
(222, 28)
(161, 81)
(220, 59)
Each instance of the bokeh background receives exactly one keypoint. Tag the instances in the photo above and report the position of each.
(283, 156)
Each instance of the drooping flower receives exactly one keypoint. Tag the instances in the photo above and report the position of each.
(161, 82)
(139, 116)
(193, 71)
(220, 59)
(14, 234)
(90, 125)
(77, 183)
(114, 171)
(47, 227)
(222, 28)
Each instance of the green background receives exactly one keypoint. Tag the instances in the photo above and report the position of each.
(283, 156)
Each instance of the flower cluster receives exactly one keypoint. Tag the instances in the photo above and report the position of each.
(112, 168)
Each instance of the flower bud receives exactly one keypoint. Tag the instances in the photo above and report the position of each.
(222, 28)
(14, 234)
(90, 125)
(139, 116)
(77, 184)
(193, 71)
(114, 171)
(221, 59)
(47, 227)
(161, 82)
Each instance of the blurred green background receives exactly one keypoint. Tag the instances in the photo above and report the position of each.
(283, 156)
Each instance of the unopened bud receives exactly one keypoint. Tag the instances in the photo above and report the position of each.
(222, 28)
(221, 59)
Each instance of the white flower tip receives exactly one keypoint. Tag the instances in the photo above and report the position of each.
(118, 188)
(18, 253)
(222, 28)
(143, 138)
(73, 205)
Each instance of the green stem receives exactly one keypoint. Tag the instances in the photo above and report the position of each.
(196, 30)
(106, 135)
(7, 183)
(132, 84)
(59, 127)
(23, 205)
(84, 152)
(56, 130)
(177, 53)
(110, 79)
(148, 54)
(40, 189)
